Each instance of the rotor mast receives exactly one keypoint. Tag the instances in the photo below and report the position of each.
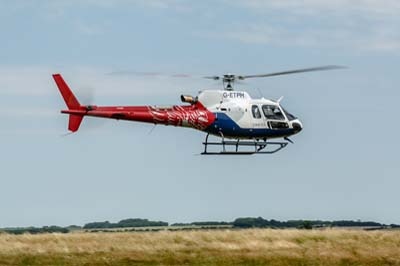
(228, 80)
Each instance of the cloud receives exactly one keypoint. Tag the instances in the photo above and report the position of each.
(37, 81)
(24, 112)
(362, 25)
(361, 7)
(88, 29)
(381, 40)
(59, 6)
(28, 94)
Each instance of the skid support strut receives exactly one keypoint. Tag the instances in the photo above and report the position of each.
(259, 146)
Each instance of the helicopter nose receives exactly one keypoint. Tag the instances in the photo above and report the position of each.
(297, 126)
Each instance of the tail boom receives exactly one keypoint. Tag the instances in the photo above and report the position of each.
(195, 115)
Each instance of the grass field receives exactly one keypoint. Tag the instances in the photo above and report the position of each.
(216, 247)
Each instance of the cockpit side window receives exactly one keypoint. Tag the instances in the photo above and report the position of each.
(273, 112)
(256, 112)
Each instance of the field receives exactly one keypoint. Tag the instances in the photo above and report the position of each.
(213, 247)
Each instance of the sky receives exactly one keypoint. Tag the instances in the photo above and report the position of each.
(343, 165)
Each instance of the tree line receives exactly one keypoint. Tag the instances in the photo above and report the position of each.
(36, 230)
(244, 222)
(260, 222)
(136, 222)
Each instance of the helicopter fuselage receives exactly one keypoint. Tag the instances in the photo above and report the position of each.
(222, 113)
(239, 116)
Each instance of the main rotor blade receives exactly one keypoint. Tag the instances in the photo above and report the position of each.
(321, 68)
(150, 74)
(212, 77)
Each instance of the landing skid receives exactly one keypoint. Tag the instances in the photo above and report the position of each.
(259, 147)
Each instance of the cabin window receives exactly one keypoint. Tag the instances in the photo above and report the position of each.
(273, 112)
(256, 112)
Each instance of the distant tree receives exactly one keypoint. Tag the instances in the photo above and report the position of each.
(36, 230)
(210, 223)
(346, 223)
(181, 224)
(95, 225)
(249, 222)
(306, 225)
(136, 222)
(74, 227)
(244, 222)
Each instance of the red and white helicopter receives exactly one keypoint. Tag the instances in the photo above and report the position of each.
(226, 113)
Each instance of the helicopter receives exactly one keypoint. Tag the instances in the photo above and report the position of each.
(243, 125)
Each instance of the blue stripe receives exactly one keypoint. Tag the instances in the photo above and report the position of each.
(229, 128)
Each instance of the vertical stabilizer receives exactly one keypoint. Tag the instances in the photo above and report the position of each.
(74, 122)
(71, 102)
(69, 97)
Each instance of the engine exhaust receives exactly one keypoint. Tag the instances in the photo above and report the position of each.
(188, 99)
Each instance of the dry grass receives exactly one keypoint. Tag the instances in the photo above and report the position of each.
(222, 247)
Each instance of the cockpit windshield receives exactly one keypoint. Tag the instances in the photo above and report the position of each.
(273, 112)
(289, 116)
